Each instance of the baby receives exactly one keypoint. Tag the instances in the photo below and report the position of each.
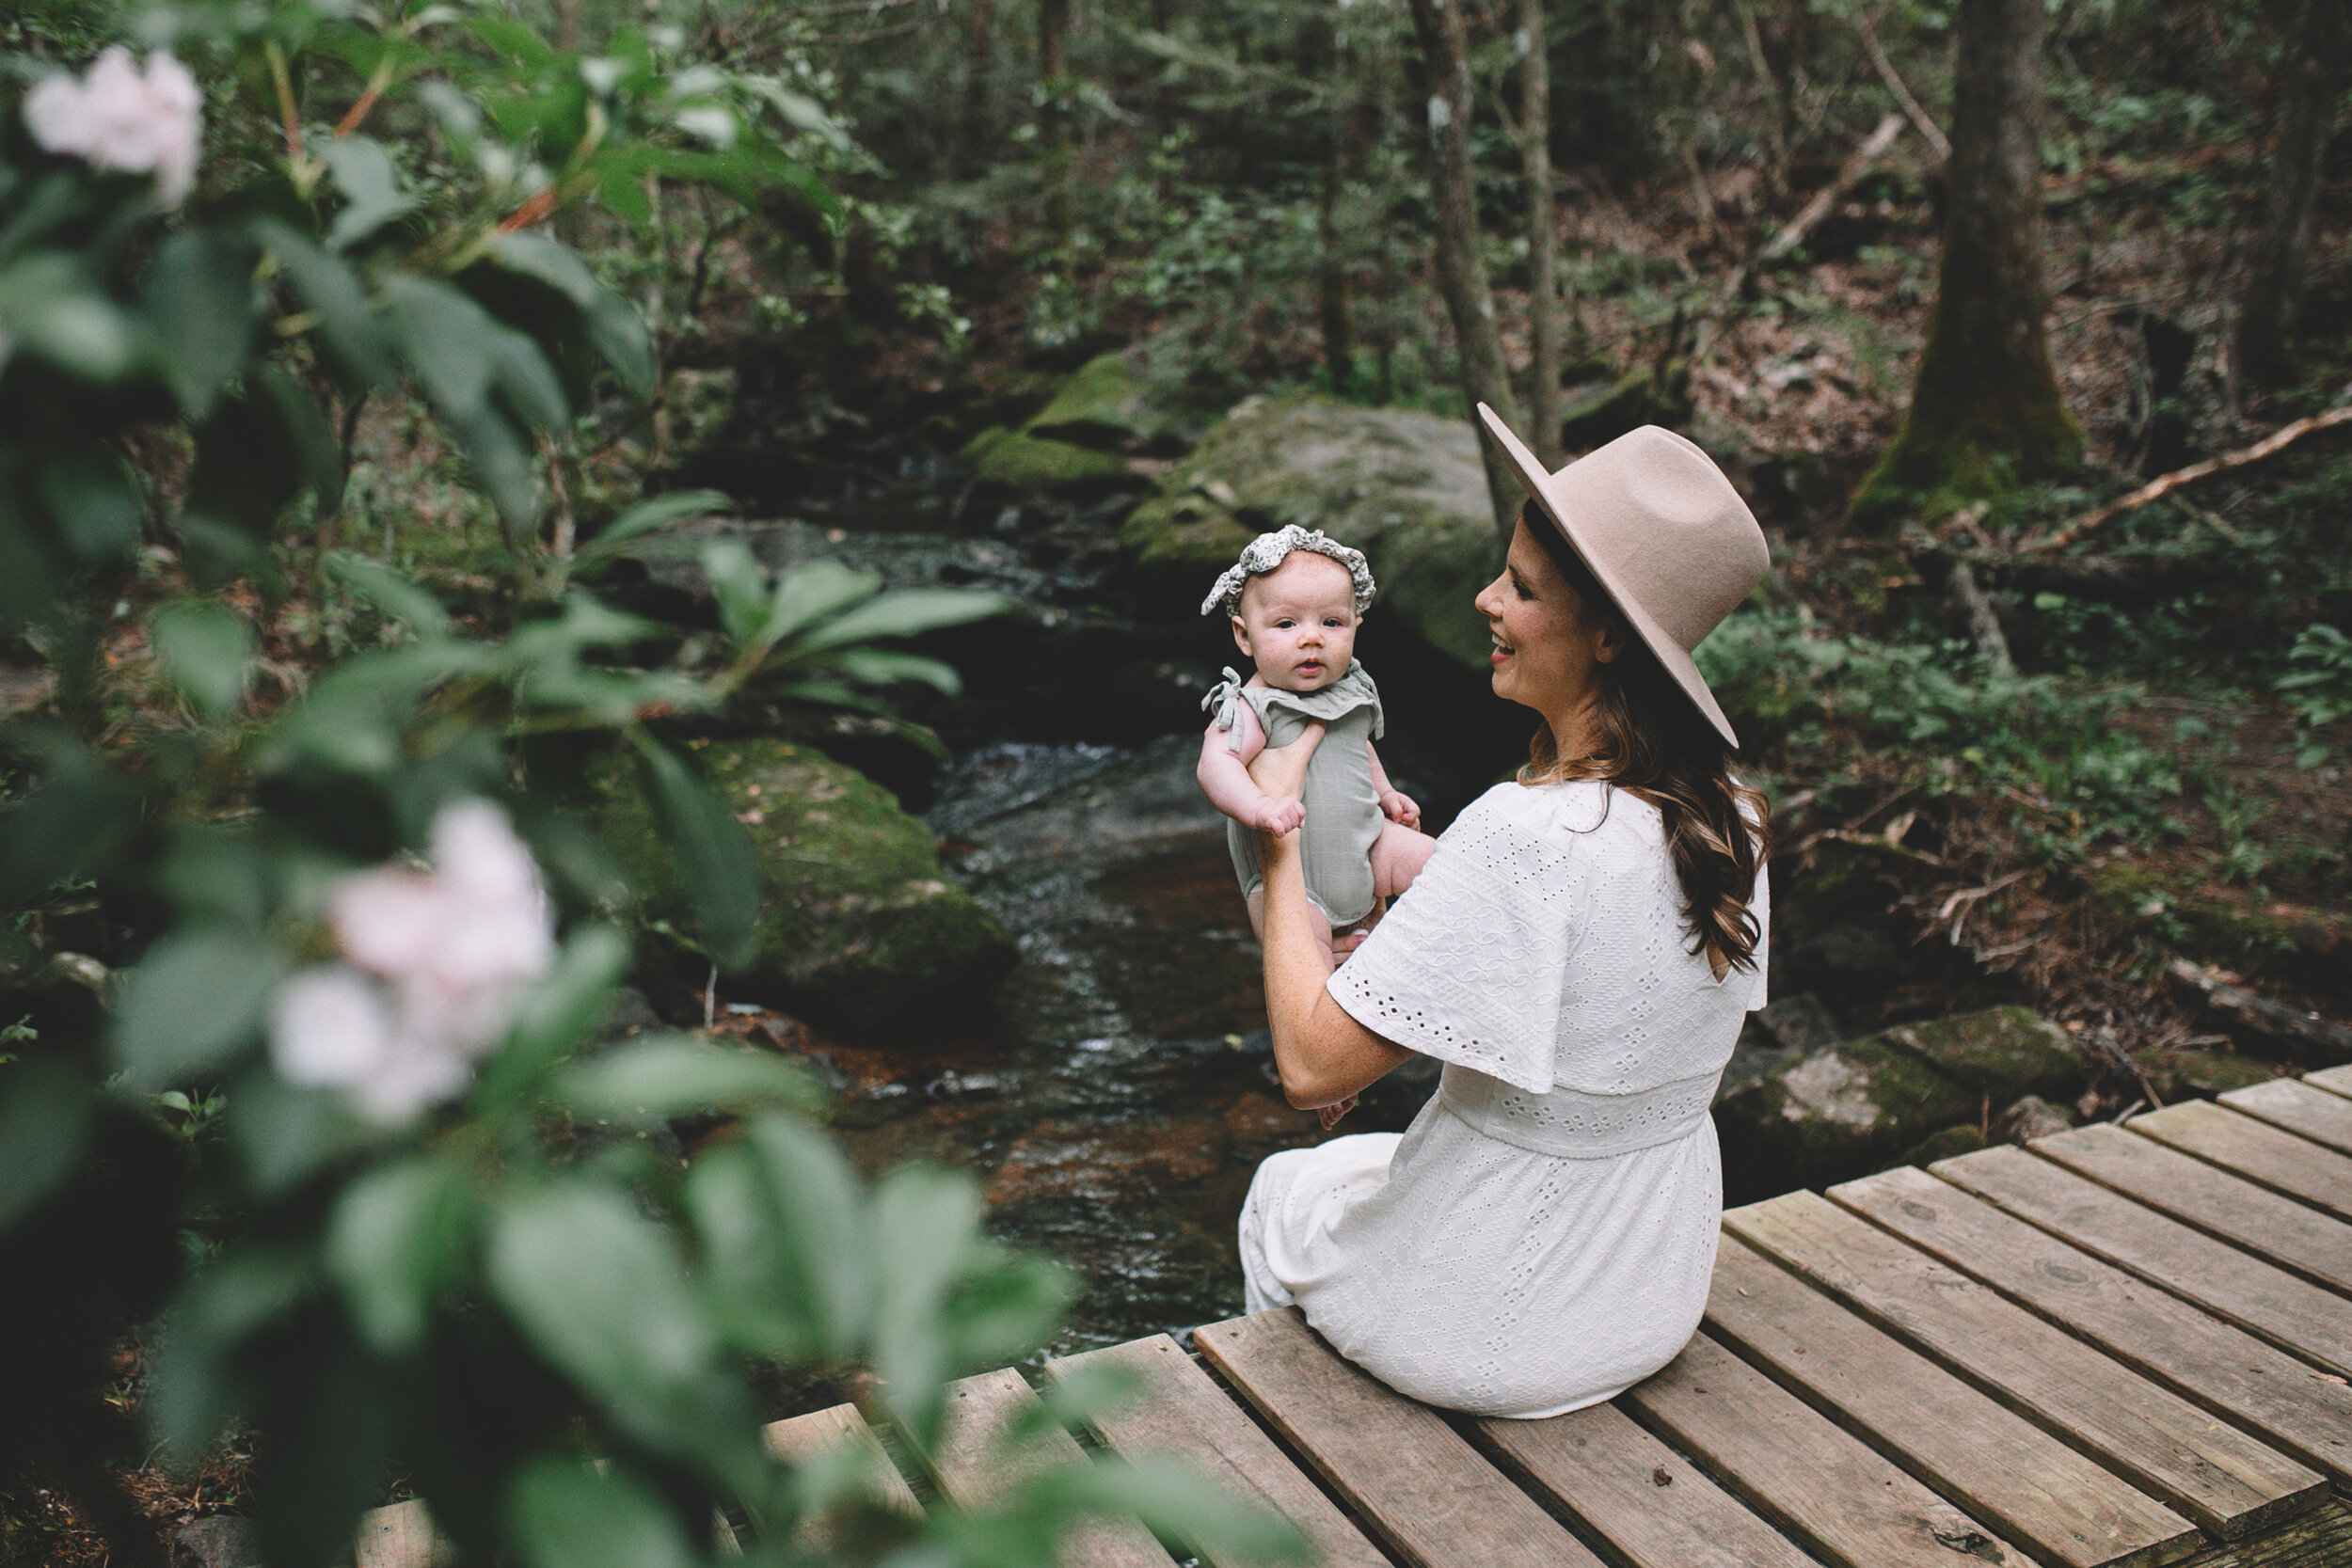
(1295, 598)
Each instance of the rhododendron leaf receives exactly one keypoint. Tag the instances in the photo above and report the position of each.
(284, 1134)
(193, 1388)
(807, 595)
(612, 320)
(557, 1016)
(527, 384)
(387, 593)
(208, 651)
(715, 859)
(199, 298)
(785, 1243)
(69, 827)
(94, 501)
(395, 1244)
(566, 1514)
(675, 1074)
(45, 1118)
(347, 323)
(1007, 1309)
(370, 183)
(925, 1223)
(905, 613)
(193, 1002)
(883, 667)
(644, 518)
(739, 584)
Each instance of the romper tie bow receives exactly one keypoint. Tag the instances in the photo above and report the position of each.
(1222, 698)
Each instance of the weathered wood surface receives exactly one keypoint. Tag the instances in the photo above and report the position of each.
(1430, 1497)
(1653, 1508)
(2223, 1368)
(977, 1467)
(2321, 1539)
(2167, 1446)
(2262, 1154)
(400, 1535)
(1184, 1415)
(804, 1439)
(2291, 1313)
(2292, 1235)
(2335, 1080)
(2315, 1113)
(2048, 1498)
(1821, 1484)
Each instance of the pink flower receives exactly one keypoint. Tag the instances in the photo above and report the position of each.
(121, 118)
(435, 965)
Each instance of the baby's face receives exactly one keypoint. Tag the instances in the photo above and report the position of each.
(1297, 623)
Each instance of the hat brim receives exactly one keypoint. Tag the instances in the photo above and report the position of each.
(1536, 480)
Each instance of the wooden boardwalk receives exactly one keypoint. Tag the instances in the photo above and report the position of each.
(2121, 1346)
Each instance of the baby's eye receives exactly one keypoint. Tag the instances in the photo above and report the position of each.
(1284, 623)
(1332, 621)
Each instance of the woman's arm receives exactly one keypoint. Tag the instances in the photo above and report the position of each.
(1323, 1054)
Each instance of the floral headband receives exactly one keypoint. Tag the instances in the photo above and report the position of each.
(1269, 550)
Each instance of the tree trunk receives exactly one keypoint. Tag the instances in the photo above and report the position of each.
(2275, 282)
(978, 60)
(1335, 289)
(1986, 412)
(1543, 231)
(1053, 65)
(1461, 265)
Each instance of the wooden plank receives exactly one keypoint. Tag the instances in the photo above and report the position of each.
(2314, 1114)
(398, 1536)
(1651, 1506)
(807, 1438)
(2279, 1161)
(2227, 1481)
(2057, 1506)
(2290, 1234)
(2321, 1539)
(2335, 1080)
(1818, 1481)
(2291, 1313)
(1184, 1414)
(2223, 1368)
(1416, 1481)
(976, 1469)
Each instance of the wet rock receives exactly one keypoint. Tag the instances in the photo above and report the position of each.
(217, 1540)
(1404, 487)
(2189, 1075)
(860, 928)
(1832, 1113)
(1116, 403)
(1798, 1022)
(2001, 1052)
(2030, 1119)
(1016, 461)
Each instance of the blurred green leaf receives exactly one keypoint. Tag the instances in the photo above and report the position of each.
(346, 321)
(370, 182)
(679, 1074)
(284, 1134)
(45, 1120)
(193, 1388)
(807, 595)
(925, 1223)
(94, 499)
(557, 1018)
(355, 715)
(905, 613)
(207, 650)
(445, 339)
(739, 584)
(1007, 1311)
(644, 518)
(613, 323)
(566, 1514)
(71, 826)
(387, 593)
(49, 307)
(527, 381)
(395, 1244)
(193, 1003)
(1175, 1501)
(784, 1240)
(199, 301)
(715, 858)
(881, 667)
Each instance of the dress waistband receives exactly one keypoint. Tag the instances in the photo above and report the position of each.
(1575, 1125)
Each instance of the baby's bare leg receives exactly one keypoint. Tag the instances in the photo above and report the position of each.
(1322, 923)
(1397, 856)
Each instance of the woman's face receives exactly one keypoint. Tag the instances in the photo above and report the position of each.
(1548, 650)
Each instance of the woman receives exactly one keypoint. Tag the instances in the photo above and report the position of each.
(1578, 952)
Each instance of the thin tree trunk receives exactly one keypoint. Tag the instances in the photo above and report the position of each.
(1543, 232)
(1334, 288)
(1461, 265)
(979, 59)
(1053, 38)
(1985, 413)
(2276, 281)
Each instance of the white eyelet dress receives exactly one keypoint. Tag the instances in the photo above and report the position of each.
(1542, 1237)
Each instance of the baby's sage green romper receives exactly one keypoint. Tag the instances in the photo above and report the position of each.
(1343, 807)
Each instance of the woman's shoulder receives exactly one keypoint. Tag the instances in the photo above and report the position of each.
(1566, 809)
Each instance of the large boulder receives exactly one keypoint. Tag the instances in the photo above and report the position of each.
(859, 927)
(1406, 488)
(1114, 409)
(2002, 1052)
(1831, 1115)
(1018, 461)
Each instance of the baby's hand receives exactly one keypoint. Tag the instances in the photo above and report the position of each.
(1329, 1114)
(1398, 808)
(1279, 814)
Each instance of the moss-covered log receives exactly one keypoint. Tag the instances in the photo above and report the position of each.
(1985, 413)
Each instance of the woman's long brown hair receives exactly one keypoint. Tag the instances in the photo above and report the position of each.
(1654, 744)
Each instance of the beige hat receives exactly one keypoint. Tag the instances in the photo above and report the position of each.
(1664, 531)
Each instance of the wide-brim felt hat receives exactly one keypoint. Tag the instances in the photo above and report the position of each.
(1664, 531)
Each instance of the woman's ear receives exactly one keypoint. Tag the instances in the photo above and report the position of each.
(1609, 639)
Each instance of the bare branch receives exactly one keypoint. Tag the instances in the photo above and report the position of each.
(2156, 488)
(1921, 121)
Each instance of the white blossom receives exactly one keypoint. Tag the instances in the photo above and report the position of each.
(432, 966)
(119, 118)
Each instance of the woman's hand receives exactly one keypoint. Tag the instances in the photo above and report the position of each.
(1281, 771)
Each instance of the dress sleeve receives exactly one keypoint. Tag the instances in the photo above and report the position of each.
(1469, 965)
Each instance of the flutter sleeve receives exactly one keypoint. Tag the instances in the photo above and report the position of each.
(1471, 964)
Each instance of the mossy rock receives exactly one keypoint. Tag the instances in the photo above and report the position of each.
(1113, 404)
(1832, 1114)
(2193, 1074)
(858, 927)
(1018, 461)
(1649, 395)
(1965, 1137)
(2007, 1053)
(2217, 925)
(1406, 488)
